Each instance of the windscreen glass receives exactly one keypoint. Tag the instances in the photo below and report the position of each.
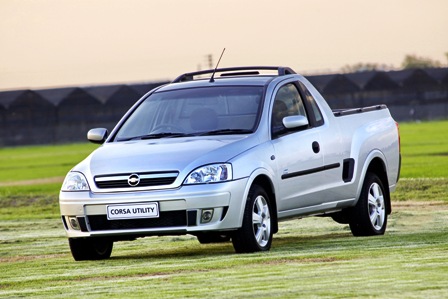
(198, 111)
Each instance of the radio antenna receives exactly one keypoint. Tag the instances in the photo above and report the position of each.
(212, 79)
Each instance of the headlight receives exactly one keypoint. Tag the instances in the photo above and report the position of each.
(213, 173)
(75, 181)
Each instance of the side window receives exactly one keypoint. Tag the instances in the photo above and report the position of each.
(319, 120)
(287, 102)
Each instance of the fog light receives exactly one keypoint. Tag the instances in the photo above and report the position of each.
(74, 223)
(207, 215)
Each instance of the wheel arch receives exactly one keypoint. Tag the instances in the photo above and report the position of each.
(378, 167)
(265, 182)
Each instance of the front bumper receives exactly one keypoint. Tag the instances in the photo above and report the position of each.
(84, 213)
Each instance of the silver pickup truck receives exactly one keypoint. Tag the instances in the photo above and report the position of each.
(227, 154)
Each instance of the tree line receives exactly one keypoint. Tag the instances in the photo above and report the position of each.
(410, 61)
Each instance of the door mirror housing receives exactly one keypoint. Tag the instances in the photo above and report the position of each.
(295, 121)
(98, 135)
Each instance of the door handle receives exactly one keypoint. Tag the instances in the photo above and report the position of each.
(316, 147)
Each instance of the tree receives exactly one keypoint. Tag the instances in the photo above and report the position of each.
(365, 67)
(413, 61)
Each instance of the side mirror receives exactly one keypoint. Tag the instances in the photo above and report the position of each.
(97, 135)
(295, 121)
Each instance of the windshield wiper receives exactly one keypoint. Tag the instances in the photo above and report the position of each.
(226, 132)
(156, 136)
(178, 134)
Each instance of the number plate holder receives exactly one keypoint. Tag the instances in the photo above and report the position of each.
(133, 211)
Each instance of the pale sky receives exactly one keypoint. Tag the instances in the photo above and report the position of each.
(57, 43)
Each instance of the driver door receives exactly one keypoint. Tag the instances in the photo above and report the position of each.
(297, 153)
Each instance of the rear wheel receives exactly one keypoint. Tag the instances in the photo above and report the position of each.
(256, 231)
(369, 216)
(90, 248)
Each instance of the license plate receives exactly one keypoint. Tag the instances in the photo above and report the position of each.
(133, 211)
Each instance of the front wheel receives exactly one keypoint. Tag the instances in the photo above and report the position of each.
(369, 216)
(90, 248)
(256, 232)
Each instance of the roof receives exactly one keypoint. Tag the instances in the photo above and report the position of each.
(236, 76)
(235, 71)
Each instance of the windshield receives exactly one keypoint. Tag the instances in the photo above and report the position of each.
(198, 111)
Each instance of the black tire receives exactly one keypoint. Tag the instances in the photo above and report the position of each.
(90, 248)
(255, 233)
(369, 216)
(212, 237)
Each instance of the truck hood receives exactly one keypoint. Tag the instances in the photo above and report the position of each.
(167, 154)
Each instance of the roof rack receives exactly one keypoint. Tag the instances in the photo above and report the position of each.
(235, 71)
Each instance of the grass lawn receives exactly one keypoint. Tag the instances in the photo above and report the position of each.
(311, 257)
(424, 148)
(40, 162)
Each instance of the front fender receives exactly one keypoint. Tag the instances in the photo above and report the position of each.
(263, 177)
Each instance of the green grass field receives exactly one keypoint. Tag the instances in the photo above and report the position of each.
(311, 257)
(424, 149)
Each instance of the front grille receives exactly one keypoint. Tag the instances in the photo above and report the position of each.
(147, 179)
(166, 219)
